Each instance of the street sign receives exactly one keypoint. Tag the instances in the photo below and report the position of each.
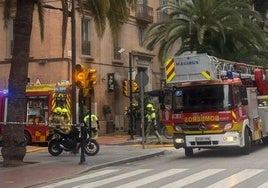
(142, 79)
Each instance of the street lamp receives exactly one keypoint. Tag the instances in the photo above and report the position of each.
(130, 55)
(73, 33)
(130, 96)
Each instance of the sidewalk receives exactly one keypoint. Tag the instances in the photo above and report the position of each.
(41, 168)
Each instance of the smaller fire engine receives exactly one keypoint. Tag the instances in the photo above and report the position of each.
(213, 103)
(42, 100)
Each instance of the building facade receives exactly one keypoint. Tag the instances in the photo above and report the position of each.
(47, 65)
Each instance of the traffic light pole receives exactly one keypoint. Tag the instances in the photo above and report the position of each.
(82, 125)
(73, 33)
(130, 97)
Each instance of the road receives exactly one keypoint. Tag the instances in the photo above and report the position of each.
(207, 168)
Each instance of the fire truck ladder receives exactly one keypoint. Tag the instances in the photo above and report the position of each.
(239, 70)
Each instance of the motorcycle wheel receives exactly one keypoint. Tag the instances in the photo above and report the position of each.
(54, 148)
(92, 147)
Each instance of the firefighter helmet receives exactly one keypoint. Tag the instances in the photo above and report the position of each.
(64, 111)
(57, 110)
(149, 107)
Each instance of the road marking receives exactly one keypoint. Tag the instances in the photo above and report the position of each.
(236, 178)
(113, 179)
(96, 174)
(34, 149)
(192, 178)
(265, 185)
(151, 178)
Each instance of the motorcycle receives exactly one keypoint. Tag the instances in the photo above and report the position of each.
(60, 141)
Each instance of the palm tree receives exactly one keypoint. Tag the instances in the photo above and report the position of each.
(116, 12)
(218, 27)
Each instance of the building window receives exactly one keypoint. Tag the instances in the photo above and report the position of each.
(10, 36)
(141, 35)
(117, 54)
(143, 2)
(86, 39)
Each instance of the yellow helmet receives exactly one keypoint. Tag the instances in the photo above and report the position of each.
(64, 111)
(57, 110)
(149, 106)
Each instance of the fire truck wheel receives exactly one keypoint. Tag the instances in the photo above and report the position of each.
(165, 133)
(189, 152)
(265, 140)
(27, 137)
(247, 147)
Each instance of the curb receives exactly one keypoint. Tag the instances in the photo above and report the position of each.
(131, 159)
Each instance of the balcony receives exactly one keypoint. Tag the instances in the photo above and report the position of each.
(144, 14)
(161, 16)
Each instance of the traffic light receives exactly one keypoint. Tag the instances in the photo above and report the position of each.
(80, 76)
(125, 88)
(91, 78)
(135, 86)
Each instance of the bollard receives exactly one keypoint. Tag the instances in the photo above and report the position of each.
(82, 156)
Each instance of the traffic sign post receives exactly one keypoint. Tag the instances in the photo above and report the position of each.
(142, 80)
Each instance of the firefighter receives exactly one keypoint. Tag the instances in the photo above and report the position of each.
(55, 117)
(65, 119)
(60, 118)
(95, 126)
(136, 115)
(151, 124)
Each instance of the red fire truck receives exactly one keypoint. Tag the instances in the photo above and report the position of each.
(42, 99)
(213, 103)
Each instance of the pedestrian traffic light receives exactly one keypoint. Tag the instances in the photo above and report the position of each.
(91, 78)
(80, 76)
(135, 86)
(125, 88)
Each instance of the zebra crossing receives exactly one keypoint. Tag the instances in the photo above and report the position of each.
(170, 178)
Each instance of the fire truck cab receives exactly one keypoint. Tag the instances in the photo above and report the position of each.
(213, 103)
(42, 100)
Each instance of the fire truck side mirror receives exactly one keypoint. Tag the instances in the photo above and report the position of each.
(161, 97)
(244, 101)
(162, 106)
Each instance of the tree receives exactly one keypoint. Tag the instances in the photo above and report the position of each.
(116, 12)
(223, 28)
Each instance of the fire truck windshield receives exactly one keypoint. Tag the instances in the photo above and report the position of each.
(202, 98)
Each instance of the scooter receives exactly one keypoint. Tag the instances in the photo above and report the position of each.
(60, 141)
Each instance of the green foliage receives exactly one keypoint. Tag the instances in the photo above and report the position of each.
(226, 29)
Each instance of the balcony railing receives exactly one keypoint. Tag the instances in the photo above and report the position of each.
(162, 16)
(144, 13)
(117, 55)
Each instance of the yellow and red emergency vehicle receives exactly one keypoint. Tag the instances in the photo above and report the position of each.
(213, 103)
(42, 100)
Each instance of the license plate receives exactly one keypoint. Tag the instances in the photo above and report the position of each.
(202, 139)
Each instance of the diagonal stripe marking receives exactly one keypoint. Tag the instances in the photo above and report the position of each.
(236, 178)
(113, 179)
(192, 178)
(103, 172)
(152, 178)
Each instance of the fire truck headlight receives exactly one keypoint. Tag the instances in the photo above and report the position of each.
(228, 126)
(178, 128)
(230, 138)
(179, 140)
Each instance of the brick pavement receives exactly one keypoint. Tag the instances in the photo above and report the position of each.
(43, 168)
